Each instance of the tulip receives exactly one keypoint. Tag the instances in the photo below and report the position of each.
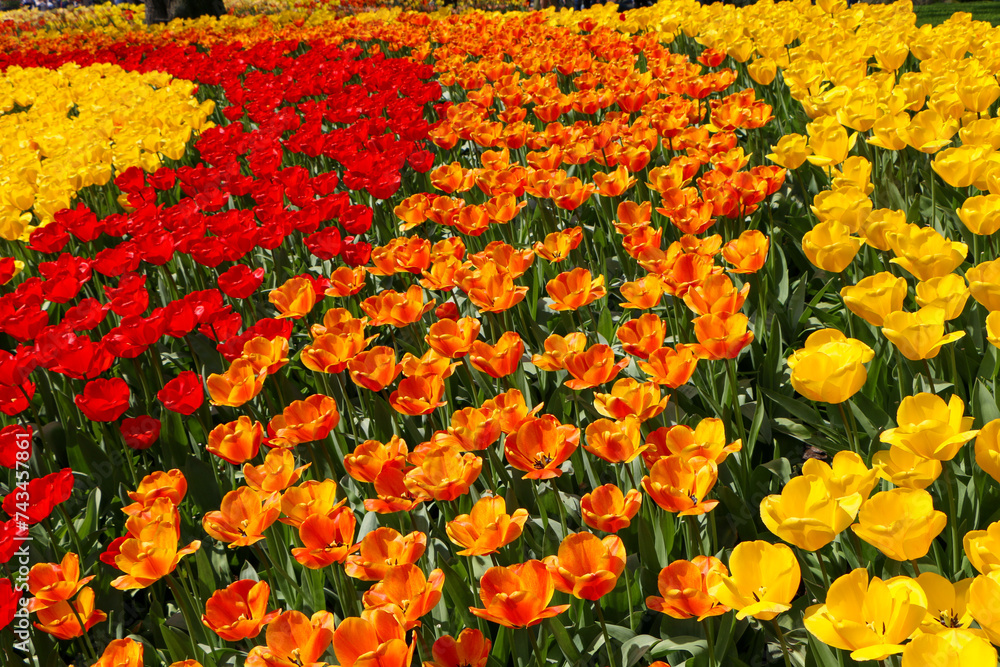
(311, 497)
(125, 653)
(849, 206)
(471, 649)
(830, 247)
(487, 528)
(831, 366)
(540, 445)
(919, 335)
(418, 395)
(473, 429)
(592, 367)
(683, 586)
(763, 580)
(346, 281)
(391, 307)
(930, 428)
(643, 294)
(747, 253)
(901, 523)
(557, 245)
(586, 566)
(791, 151)
(606, 508)
(51, 583)
(925, 253)
(62, 619)
(902, 467)
(150, 554)
(236, 442)
(679, 485)
(453, 338)
(517, 596)
(881, 223)
(615, 441)
(874, 297)
(716, 294)
(237, 385)
(870, 618)
(960, 166)
(984, 598)
(445, 473)
(304, 421)
(631, 398)
(498, 360)
(984, 284)
(670, 366)
(294, 639)
(947, 604)
(327, 538)
(510, 410)
(707, 439)
(295, 298)
(806, 515)
(574, 289)
(239, 611)
(982, 547)
(723, 336)
(641, 337)
(829, 142)
(948, 293)
(381, 549)
(928, 131)
(374, 369)
(981, 214)
(406, 589)
(330, 352)
(243, 517)
(952, 650)
(393, 493)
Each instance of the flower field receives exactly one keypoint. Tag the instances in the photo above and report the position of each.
(344, 334)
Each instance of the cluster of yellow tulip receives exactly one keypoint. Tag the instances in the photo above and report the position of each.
(63, 130)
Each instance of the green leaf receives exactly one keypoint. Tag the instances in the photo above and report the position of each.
(635, 648)
(566, 644)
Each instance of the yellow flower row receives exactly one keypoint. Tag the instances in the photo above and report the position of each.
(63, 130)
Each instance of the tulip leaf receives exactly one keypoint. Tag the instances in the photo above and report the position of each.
(202, 485)
(565, 642)
(177, 643)
(635, 648)
(985, 404)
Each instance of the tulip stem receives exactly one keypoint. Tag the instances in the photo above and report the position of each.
(784, 644)
(746, 452)
(710, 641)
(956, 543)
(852, 440)
(916, 568)
(822, 568)
(534, 646)
(604, 629)
(930, 379)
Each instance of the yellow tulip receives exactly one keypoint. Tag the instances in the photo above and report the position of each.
(984, 284)
(981, 132)
(870, 618)
(901, 467)
(806, 515)
(874, 297)
(763, 71)
(929, 427)
(848, 206)
(885, 131)
(918, 335)
(949, 293)
(954, 649)
(880, 224)
(830, 368)
(855, 172)
(984, 604)
(981, 214)
(763, 579)
(928, 131)
(925, 253)
(901, 523)
(993, 328)
(829, 142)
(845, 475)
(982, 548)
(960, 166)
(830, 246)
(791, 151)
(988, 448)
(947, 603)
(978, 93)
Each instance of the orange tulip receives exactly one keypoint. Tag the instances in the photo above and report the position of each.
(236, 442)
(60, 619)
(556, 349)
(717, 295)
(294, 640)
(339, 321)
(471, 649)
(487, 528)
(680, 485)
(722, 336)
(276, 474)
(367, 460)
(125, 653)
(375, 640)
(683, 586)
(295, 298)
(267, 355)
(374, 369)
(592, 367)
(330, 352)
(643, 336)
(239, 384)
(445, 474)
(159, 484)
(243, 517)
(311, 497)
(473, 429)
(431, 363)
(490, 288)
(453, 338)
(418, 395)
(510, 410)
(573, 289)
(407, 589)
(669, 366)
(51, 583)
(606, 508)
(150, 552)
(327, 538)
(629, 397)
(557, 245)
(643, 294)
(398, 310)
(517, 596)
(614, 184)
(384, 548)
(586, 566)
(239, 611)
(304, 421)
(707, 439)
(345, 281)
(615, 441)
(498, 360)
(540, 445)
(393, 494)
(747, 253)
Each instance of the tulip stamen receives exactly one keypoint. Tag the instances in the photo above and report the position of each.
(948, 619)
